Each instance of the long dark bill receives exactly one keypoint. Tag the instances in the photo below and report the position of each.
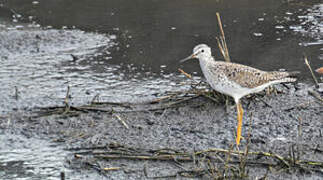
(188, 58)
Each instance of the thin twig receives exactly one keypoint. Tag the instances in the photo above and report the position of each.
(122, 121)
(220, 24)
(221, 48)
(95, 98)
(251, 153)
(221, 41)
(227, 161)
(315, 94)
(244, 157)
(186, 74)
(122, 152)
(66, 101)
(309, 67)
(299, 138)
(112, 168)
(143, 157)
(159, 99)
(74, 58)
(210, 97)
(16, 93)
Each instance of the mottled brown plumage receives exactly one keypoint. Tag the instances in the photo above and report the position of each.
(236, 80)
(246, 76)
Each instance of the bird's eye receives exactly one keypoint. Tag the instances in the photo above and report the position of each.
(202, 50)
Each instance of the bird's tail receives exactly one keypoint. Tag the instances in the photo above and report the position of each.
(293, 73)
(283, 76)
(292, 76)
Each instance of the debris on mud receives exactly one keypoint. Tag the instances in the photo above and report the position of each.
(189, 134)
(213, 163)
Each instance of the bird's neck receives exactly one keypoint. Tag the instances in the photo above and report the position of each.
(204, 61)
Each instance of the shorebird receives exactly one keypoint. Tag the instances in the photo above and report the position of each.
(236, 80)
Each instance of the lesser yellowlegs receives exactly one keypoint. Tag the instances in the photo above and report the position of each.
(235, 80)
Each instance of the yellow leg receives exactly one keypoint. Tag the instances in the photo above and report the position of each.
(240, 117)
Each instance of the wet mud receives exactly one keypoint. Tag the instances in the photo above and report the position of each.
(129, 113)
(285, 124)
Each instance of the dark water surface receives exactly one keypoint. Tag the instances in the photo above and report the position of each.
(145, 39)
(129, 50)
(154, 33)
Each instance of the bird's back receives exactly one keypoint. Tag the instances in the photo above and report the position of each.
(246, 76)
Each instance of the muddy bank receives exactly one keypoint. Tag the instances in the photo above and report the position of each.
(292, 119)
(98, 51)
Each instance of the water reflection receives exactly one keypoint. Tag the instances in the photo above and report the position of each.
(25, 158)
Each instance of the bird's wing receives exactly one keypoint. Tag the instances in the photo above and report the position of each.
(247, 76)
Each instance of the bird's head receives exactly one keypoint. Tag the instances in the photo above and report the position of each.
(200, 51)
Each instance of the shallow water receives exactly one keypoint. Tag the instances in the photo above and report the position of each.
(122, 60)
(131, 54)
(37, 71)
(159, 33)
(26, 158)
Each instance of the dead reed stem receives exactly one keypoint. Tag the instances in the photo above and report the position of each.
(16, 93)
(227, 169)
(95, 98)
(221, 41)
(316, 95)
(185, 73)
(122, 121)
(66, 101)
(309, 67)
